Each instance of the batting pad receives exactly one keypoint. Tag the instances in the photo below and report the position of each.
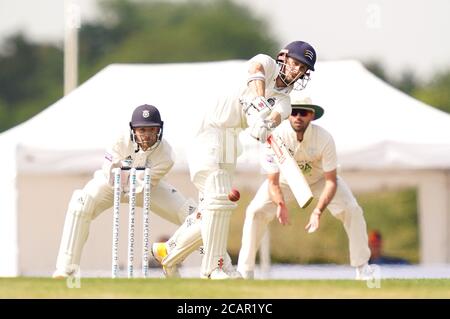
(216, 220)
(184, 241)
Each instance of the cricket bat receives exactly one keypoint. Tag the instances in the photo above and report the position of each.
(291, 172)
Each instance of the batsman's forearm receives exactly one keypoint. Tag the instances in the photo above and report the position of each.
(257, 84)
(258, 87)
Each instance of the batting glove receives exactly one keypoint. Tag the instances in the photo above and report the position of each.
(261, 130)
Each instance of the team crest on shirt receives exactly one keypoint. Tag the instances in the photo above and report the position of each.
(305, 167)
(145, 113)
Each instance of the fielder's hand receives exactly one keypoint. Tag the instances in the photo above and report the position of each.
(314, 223)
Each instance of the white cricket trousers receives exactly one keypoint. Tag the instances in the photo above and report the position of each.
(261, 211)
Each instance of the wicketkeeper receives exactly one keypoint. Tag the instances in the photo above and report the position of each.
(258, 99)
(141, 146)
(314, 150)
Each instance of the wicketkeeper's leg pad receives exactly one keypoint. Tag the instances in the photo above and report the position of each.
(76, 230)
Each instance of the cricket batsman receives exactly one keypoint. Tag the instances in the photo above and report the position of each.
(314, 150)
(141, 146)
(259, 100)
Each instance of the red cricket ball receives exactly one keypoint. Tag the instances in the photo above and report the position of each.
(234, 195)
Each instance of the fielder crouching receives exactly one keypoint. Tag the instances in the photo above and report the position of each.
(141, 146)
(314, 150)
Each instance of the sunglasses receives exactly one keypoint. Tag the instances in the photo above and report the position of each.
(302, 112)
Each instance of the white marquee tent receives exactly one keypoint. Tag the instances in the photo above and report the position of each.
(384, 139)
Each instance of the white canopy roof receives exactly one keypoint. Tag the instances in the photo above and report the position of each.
(374, 125)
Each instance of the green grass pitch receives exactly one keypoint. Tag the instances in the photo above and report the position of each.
(196, 288)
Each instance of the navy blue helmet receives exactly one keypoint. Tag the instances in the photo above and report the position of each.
(146, 116)
(301, 51)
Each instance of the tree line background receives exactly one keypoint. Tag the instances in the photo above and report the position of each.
(31, 74)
